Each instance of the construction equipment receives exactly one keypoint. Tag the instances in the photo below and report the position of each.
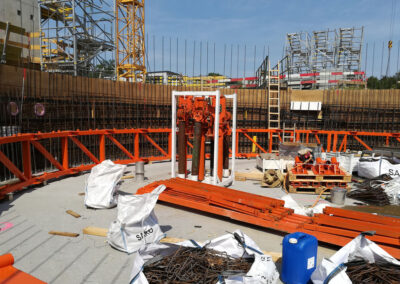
(315, 178)
(335, 226)
(203, 116)
(130, 40)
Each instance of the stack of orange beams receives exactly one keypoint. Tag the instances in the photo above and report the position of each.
(335, 226)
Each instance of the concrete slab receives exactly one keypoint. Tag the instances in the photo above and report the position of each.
(89, 259)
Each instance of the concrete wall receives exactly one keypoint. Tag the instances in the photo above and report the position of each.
(24, 14)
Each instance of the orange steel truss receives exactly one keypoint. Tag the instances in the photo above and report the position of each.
(335, 226)
(336, 141)
(130, 40)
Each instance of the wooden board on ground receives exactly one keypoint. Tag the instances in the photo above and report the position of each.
(102, 232)
(64, 234)
(95, 231)
(73, 213)
(310, 190)
(253, 175)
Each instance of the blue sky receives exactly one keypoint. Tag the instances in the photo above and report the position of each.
(259, 23)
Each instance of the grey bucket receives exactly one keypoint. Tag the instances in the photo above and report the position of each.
(338, 195)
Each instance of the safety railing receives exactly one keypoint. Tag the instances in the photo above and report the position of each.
(71, 152)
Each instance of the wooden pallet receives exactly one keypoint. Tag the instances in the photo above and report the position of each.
(310, 190)
(311, 176)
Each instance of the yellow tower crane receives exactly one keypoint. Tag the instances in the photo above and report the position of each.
(130, 40)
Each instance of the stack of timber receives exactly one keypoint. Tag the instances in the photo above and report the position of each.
(318, 178)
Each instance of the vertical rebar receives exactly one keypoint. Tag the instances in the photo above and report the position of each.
(207, 60)
(373, 59)
(162, 53)
(231, 60)
(154, 53)
(170, 54)
(237, 61)
(224, 58)
(398, 56)
(383, 51)
(177, 55)
(194, 55)
(214, 57)
(185, 56)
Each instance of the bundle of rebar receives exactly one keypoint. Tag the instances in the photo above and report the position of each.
(373, 196)
(363, 272)
(371, 191)
(195, 265)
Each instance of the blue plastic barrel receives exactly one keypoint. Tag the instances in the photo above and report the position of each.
(299, 257)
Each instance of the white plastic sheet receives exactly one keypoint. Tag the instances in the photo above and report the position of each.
(263, 270)
(301, 210)
(136, 223)
(101, 185)
(359, 248)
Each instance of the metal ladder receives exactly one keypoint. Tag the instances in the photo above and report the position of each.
(274, 103)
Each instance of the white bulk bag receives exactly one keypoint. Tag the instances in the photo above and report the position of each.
(358, 248)
(372, 169)
(136, 223)
(101, 185)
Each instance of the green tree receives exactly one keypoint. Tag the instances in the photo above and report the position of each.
(392, 82)
(105, 69)
(214, 74)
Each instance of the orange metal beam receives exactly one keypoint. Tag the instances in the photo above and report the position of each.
(10, 165)
(119, 145)
(26, 159)
(47, 155)
(270, 213)
(255, 143)
(362, 142)
(64, 152)
(155, 144)
(102, 147)
(63, 136)
(85, 150)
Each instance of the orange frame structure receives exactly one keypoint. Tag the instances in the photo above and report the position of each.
(336, 141)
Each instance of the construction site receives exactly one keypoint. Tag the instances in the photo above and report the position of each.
(134, 158)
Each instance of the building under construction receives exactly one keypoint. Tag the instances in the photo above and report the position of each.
(218, 155)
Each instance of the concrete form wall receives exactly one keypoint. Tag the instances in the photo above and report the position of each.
(88, 103)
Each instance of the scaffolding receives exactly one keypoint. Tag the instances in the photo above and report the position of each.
(130, 40)
(323, 59)
(76, 37)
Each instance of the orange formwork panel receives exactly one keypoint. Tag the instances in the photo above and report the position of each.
(11, 275)
(334, 226)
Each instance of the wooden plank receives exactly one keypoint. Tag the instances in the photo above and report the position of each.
(128, 177)
(73, 213)
(248, 175)
(95, 231)
(64, 234)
